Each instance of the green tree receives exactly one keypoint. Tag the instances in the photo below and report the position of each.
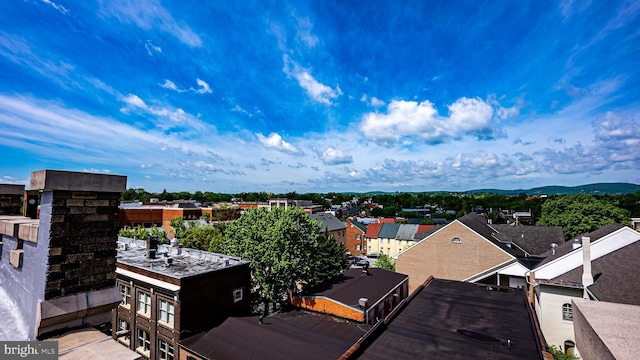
(286, 249)
(385, 262)
(578, 214)
(159, 233)
(559, 354)
(202, 237)
(178, 227)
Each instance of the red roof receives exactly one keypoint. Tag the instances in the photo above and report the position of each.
(423, 228)
(373, 229)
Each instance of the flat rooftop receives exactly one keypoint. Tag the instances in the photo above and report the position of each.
(184, 262)
(295, 334)
(457, 320)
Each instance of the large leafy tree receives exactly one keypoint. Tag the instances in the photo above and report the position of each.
(386, 262)
(202, 237)
(578, 214)
(286, 249)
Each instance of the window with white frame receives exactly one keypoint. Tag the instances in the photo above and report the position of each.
(165, 350)
(143, 343)
(167, 311)
(237, 295)
(567, 312)
(125, 290)
(357, 246)
(144, 303)
(123, 326)
(369, 248)
(357, 236)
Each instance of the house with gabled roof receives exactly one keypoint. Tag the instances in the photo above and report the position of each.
(355, 237)
(470, 249)
(332, 225)
(383, 243)
(595, 266)
(372, 233)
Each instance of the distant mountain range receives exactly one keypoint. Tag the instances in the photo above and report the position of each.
(599, 188)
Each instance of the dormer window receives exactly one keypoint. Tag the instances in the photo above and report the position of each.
(456, 240)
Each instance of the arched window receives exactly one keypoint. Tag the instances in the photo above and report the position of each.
(567, 312)
(569, 348)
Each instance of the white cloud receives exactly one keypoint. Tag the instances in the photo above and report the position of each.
(150, 15)
(275, 141)
(410, 119)
(168, 84)
(204, 165)
(305, 34)
(58, 7)
(375, 102)
(333, 156)
(177, 116)
(204, 87)
(315, 90)
(152, 48)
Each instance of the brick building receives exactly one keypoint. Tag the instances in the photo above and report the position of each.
(11, 199)
(358, 294)
(355, 237)
(171, 293)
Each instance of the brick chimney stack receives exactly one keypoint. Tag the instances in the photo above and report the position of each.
(66, 274)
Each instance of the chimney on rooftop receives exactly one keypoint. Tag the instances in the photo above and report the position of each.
(587, 278)
(576, 244)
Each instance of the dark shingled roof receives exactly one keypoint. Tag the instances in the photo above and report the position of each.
(329, 222)
(478, 223)
(421, 235)
(359, 225)
(441, 320)
(388, 231)
(354, 284)
(567, 247)
(614, 275)
(295, 334)
(533, 239)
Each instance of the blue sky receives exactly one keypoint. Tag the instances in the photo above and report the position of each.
(322, 96)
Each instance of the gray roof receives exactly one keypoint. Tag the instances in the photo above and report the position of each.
(185, 262)
(535, 240)
(388, 231)
(329, 222)
(406, 232)
(614, 276)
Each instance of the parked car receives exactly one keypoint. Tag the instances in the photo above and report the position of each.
(373, 256)
(353, 259)
(362, 262)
